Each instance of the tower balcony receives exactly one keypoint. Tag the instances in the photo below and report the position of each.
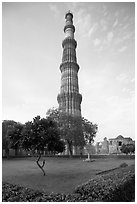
(69, 41)
(69, 26)
(68, 65)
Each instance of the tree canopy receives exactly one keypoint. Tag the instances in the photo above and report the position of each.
(128, 148)
(89, 130)
(39, 135)
(15, 135)
(74, 130)
(6, 128)
(71, 131)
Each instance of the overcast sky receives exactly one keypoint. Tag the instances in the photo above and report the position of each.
(32, 34)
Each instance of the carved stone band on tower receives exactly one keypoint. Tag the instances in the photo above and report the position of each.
(69, 98)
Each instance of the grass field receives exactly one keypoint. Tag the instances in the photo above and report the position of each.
(62, 174)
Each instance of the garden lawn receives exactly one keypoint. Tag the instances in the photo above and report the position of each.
(62, 174)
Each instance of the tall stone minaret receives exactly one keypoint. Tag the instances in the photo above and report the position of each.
(69, 98)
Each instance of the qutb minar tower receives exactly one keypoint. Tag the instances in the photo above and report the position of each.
(69, 98)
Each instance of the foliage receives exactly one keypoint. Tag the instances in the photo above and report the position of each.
(15, 134)
(15, 193)
(89, 130)
(128, 148)
(35, 136)
(53, 114)
(123, 165)
(71, 130)
(116, 186)
(75, 130)
(39, 135)
(6, 127)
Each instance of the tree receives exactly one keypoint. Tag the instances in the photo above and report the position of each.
(53, 114)
(131, 148)
(71, 131)
(76, 131)
(70, 128)
(39, 135)
(15, 136)
(6, 127)
(89, 131)
(128, 148)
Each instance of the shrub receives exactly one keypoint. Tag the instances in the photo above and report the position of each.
(123, 165)
(14, 193)
(116, 186)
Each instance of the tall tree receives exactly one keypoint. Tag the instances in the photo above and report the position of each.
(89, 131)
(70, 128)
(39, 135)
(71, 131)
(6, 128)
(15, 135)
(76, 131)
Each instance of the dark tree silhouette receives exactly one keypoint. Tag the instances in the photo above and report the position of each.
(6, 128)
(39, 135)
(128, 148)
(15, 135)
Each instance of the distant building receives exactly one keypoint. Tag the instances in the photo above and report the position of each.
(115, 144)
(102, 147)
(112, 146)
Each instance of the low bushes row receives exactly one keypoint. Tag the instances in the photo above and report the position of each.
(116, 186)
(15, 193)
(109, 170)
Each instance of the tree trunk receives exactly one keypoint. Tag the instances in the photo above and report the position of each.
(41, 166)
(70, 147)
(70, 150)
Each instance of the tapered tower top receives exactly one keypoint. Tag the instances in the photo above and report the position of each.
(69, 15)
(69, 28)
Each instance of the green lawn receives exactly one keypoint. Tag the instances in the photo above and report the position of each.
(62, 174)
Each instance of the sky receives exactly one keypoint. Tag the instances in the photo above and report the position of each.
(32, 35)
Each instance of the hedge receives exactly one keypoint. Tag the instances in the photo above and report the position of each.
(116, 186)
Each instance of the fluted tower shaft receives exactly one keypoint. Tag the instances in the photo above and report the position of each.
(69, 98)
